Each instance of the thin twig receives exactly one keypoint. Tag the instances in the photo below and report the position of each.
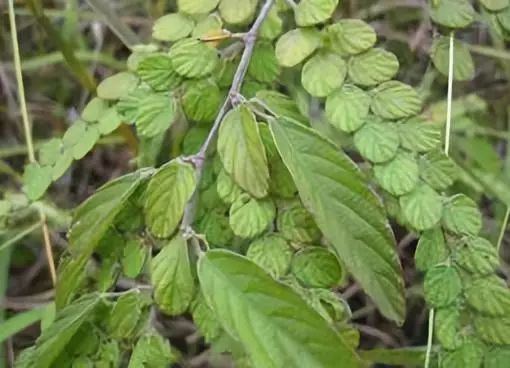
(28, 132)
(198, 159)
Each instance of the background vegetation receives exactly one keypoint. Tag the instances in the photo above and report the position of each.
(68, 46)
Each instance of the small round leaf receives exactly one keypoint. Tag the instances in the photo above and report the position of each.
(376, 141)
(373, 67)
(296, 45)
(398, 176)
(347, 108)
(442, 286)
(395, 100)
(323, 73)
(422, 208)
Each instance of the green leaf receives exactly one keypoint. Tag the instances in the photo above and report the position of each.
(463, 66)
(297, 225)
(317, 267)
(377, 141)
(311, 12)
(242, 151)
(419, 136)
(152, 351)
(431, 249)
(395, 100)
(497, 358)
(422, 208)
(155, 114)
(453, 13)
(281, 183)
(438, 170)
(323, 73)
(94, 110)
(158, 72)
(263, 65)
(21, 321)
(117, 86)
(503, 19)
(249, 216)
(227, 189)
(125, 314)
(281, 105)
(442, 286)
(36, 180)
(210, 25)
(80, 138)
(167, 194)
(172, 27)
(495, 5)
(272, 25)
(88, 140)
(201, 100)
(351, 36)
(192, 58)
(373, 67)
(469, 355)
(492, 330)
(477, 255)
(447, 327)
(237, 11)
(50, 151)
(171, 277)
(296, 45)
(270, 320)
(197, 6)
(462, 216)
(204, 319)
(216, 228)
(133, 257)
(347, 109)
(93, 217)
(53, 340)
(344, 203)
(398, 176)
(128, 105)
(272, 253)
(489, 295)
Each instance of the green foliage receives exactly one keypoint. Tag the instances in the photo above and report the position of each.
(343, 203)
(251, 166)
(250, 304)
(171, 277)
(167, 193)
